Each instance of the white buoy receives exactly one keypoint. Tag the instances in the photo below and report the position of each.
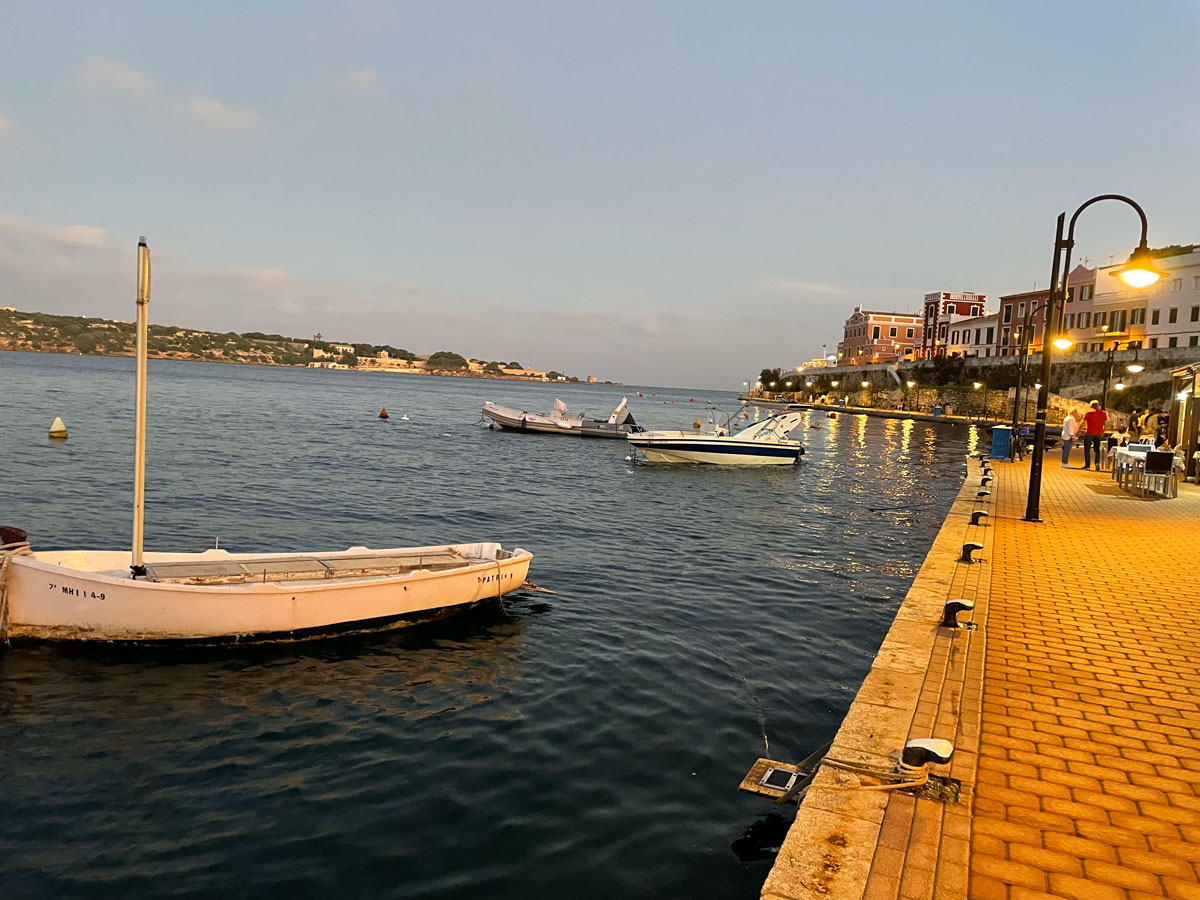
(58, 430)
(404, 418)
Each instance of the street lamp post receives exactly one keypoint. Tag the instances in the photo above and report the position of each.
(1139, 271)
(1134, 366)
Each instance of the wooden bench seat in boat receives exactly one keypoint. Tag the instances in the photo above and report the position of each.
(301, 568)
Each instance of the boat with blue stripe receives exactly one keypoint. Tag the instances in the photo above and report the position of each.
(765, 443)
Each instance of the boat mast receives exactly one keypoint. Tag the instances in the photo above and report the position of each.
(139, 453)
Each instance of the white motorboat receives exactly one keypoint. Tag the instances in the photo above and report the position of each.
(617, 425)
(764, 443)
(213, 596)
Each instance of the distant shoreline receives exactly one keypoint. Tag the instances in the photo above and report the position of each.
(441, 373)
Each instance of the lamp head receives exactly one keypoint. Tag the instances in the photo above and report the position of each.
(1134, 367)
(978, 385)
(834, 383)
(1140, 271)
(1063, 343)
(912, 384)
(866, 383)
(1120, 386)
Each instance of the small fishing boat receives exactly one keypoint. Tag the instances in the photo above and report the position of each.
(764, 443)
(217, 596)
(560, 422)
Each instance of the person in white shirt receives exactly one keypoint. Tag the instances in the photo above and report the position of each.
(1070, 429)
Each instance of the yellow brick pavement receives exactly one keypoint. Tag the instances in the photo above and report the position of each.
(1088, 779)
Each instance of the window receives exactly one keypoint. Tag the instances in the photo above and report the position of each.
(1137, 316)
(1196, 282)
(1173, 342)
(909, 334)
(1193, 341)
(991, 335)
(1097, 347)
(1085, 292)
(874, 332)
(1196, 313)
(1004, 339)
(1084, 319)
(892, 331)
(977, 331)
(1154, 316)
(1176, 284)
(1070, 295)
(1020, 309)
(1118, 320)
(1007, 313)
(954, 338)
(1153, 343)
(1069, 321)
(942, 332)
(1101, 319)
(1173, 315)
(976, 310)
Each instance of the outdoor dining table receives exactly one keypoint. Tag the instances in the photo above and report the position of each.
(1126, 465)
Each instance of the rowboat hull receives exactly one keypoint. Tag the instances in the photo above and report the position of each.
(516, 420)
(88, 595)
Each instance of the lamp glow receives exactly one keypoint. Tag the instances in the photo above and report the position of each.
(978, 385)
(866, 383)
(834, 383)
(912, 384)
(1139, 271)
(1063, 343)
(1120, 386)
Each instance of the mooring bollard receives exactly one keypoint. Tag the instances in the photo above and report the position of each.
(952, 609)
(985, 480)
(921, 752)
(983, 495)
(969, 548)
(977, 515)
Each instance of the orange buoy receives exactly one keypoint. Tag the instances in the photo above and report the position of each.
(833, 415)
(639, 393)
(383, 414)
(691, 399)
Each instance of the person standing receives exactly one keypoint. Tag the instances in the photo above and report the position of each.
(1094, 425)
(1070, 429)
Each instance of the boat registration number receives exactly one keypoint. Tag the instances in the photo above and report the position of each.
(78, 592)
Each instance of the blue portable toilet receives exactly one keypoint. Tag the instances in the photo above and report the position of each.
(1001, 441)
(937, 412)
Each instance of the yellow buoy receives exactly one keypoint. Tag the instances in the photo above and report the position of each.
(58, 430)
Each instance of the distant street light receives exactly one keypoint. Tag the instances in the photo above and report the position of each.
(866, 383)
(1139, 271)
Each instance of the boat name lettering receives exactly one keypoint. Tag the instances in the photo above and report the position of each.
(484, 579)
(79, 592)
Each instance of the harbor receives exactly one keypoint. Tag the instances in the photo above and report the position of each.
(543, 747)
(1069, 701)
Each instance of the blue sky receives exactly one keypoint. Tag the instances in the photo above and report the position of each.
(674, 193)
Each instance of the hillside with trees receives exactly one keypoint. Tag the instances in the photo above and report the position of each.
(48, 333)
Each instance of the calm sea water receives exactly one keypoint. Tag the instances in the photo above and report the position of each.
(584, 745)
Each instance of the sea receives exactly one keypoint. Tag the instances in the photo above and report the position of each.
(582, 744)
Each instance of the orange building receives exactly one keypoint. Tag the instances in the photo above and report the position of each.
(879, 337)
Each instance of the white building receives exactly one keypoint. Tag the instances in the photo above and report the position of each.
(972, 335)
(1165, 314)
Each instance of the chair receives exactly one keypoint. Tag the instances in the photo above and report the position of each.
(1159, 472)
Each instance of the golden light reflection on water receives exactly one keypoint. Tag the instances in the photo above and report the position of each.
(973, 436)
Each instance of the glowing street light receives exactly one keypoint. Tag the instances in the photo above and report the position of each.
(866, 383)
(1120, 386)
(911, 384)
(1139, 271)
(978, 385)
(1063, 343)
(834, 383)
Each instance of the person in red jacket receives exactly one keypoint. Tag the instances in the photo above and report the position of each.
(1094, 422)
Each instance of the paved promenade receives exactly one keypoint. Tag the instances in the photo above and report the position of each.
(1074, 710)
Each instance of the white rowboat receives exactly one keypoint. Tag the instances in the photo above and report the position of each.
(215, 596)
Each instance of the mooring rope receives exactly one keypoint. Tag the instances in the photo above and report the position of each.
(916, 776)
(7, 552)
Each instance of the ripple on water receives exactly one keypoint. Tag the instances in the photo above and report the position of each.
(585, 745)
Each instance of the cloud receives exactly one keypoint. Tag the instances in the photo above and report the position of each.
(360, 81)
(99, 75)
(210, 114)
(776, 285)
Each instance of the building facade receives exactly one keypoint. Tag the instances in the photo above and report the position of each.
(879, 337)
(972, 336)
(941, 308)
(1165, 314)
(1021, 322)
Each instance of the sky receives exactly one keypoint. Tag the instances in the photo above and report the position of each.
(676, 193)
